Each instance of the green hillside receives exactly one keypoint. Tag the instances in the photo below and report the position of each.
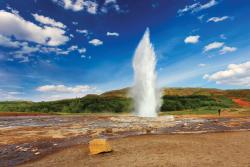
(118, 101)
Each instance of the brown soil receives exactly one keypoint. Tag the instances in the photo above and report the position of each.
(4, 114)
(212, 149)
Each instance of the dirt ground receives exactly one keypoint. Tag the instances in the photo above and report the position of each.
(212, 149)
(28, 138)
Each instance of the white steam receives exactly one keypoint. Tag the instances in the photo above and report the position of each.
(146, 96)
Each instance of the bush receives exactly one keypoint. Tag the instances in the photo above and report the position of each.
(95, 103)
(177, 103)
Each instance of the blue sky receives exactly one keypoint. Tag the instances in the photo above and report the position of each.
(55, 49)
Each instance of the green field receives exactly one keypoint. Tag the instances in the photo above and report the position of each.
(174, 101)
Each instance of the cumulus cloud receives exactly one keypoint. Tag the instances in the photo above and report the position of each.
(26, 49)
(7, 42)
(65, 89)
(14, 25)
(213, 45)
(96, 42)
(234, 74)
(91, 7)
(75, 48)
(110, 5)
(56, 92)
(217, 19)
(78, 5)
(112, 34)
(196, 7)
(227, 49)
(69, 4)
(48, 21)
(192, 39)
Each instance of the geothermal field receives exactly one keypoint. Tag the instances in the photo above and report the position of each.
(124, 83)
(63, 140)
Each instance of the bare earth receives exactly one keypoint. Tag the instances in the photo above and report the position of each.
(54, 140)
(212, 149)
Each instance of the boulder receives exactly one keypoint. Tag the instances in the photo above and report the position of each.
(97, 146)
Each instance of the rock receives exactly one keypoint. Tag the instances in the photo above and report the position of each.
(97, 146)
(109, 130)
(37, 153)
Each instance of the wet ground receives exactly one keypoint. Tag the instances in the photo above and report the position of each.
(27, 138)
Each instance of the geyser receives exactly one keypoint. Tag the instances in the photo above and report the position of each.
(144, 92)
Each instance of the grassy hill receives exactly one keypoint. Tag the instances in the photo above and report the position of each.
(118, 101)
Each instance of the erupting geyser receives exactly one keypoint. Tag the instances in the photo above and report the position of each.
(144, 92)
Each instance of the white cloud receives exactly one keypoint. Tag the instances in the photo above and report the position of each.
(188, 8)
(56, 36)
(73, 47)
(212, 46)
(112, 34)
(82, 50)
(78, 5)
(48, 21)
(91, 7)
(235, 74)
(57, 92)
(84, 31)
(25, 51)
(69, 4)
(96, 42)
(7, 42)
(15, 25)
(56, 50)
(65, 89)
(109, 1)
(217, 19)
(196, 7)
(12, 10)
(192, 39)
(110, 4)
(207, 5)
(227, 49)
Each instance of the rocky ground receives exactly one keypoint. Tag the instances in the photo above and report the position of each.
(28, 138)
